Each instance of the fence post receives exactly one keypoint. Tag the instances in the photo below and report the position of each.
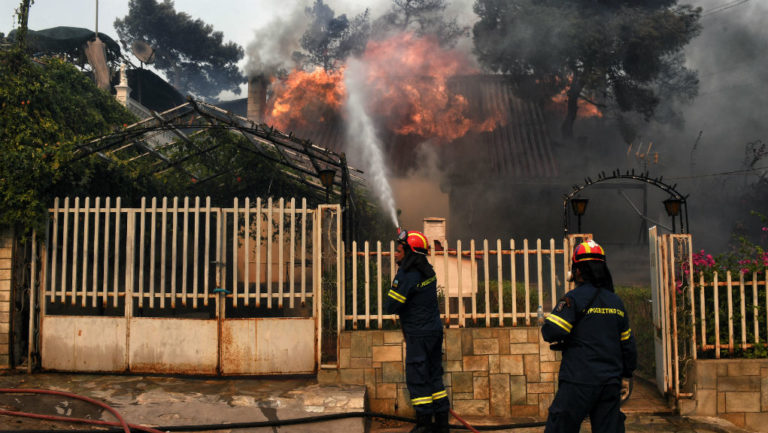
(500, 287)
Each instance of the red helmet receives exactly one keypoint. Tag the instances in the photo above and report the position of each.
(416, 241)
(589, 250)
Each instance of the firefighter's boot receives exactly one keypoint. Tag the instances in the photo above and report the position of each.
(423, 424)
(441, 422)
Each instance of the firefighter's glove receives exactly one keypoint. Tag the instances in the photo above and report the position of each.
(558, 346)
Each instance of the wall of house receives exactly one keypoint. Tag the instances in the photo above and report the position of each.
(733, 389)
(6, 249)
(490, 372)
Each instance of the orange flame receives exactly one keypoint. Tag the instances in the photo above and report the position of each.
(586, 109)
(315, 96)
(408, 91)
(409, 80)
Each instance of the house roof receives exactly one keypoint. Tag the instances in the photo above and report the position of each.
(151, 91)
(518, 147)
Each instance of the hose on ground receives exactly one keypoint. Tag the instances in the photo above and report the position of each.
(125, 427)
(220, 426)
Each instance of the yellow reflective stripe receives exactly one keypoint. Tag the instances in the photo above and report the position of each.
(440, 394)
(559, 321)
(396, 296)
(421, 400)
(418, 235)
(427, 281)
(626, 334)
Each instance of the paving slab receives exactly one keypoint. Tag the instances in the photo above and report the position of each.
(175, 401)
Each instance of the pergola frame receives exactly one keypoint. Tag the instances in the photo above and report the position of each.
(299, 158)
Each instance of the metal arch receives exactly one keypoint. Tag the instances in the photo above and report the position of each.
(628, 175)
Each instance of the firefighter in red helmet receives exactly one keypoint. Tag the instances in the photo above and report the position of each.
(591, 327)
(413, 297)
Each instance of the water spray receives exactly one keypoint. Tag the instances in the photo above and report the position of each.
(362, 133)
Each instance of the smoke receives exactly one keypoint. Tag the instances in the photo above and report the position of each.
(274, 44)
(726, 116)
(421, 192)
(362, 134)
(728, 112)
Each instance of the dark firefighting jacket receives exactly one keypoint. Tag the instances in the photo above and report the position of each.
(414, 298)
(598, 344)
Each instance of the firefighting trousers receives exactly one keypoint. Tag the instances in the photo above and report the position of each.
(574, 402)
(424, 374)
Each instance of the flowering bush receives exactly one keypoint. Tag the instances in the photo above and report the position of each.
(745, 258)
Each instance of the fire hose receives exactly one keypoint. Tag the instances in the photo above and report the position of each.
(127, 428)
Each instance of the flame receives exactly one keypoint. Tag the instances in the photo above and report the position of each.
(585, 109)
(306, 96)
(408, 91)
(408, 77)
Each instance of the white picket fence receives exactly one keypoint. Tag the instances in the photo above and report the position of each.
(747, 314)
(539, 275)
(163, 254)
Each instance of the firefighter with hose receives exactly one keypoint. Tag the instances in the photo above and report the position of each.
(591, 327)
(413, 297)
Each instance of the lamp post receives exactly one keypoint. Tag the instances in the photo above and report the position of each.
(326, 178)
(672, 205)
(579, 206)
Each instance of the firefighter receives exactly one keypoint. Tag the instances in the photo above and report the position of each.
(413, 297)
(591, 327)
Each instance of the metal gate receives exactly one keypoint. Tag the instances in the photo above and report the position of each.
(674, 316)
(184, 287)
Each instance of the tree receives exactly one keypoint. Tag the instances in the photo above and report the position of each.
(424, 17)
(46, 106)
(611, 53)
(193, 56)
(331, 39)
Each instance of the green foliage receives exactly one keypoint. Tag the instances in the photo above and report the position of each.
(45, 107)
(507, 293)
(637, 301)
(331, 39)
(423, 17)
(193, 56)
(226, 166)
(759, 350)
(617, 55)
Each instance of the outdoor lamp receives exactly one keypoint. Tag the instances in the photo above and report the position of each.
(672, 205)
(326, 178)
(579, 206)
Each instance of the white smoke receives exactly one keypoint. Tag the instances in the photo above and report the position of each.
(274, 44)
(362, 136)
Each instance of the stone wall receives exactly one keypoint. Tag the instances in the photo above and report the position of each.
(488, 371)
(6, 250)
(733, 389)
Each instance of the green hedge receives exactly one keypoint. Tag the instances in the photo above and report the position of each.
(637, 301)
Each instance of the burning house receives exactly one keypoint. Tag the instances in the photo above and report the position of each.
(456, 142)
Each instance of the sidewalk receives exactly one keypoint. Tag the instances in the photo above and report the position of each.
(175, 401)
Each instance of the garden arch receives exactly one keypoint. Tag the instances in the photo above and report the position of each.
(675, 199)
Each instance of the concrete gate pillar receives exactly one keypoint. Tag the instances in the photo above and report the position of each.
(6, 252)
